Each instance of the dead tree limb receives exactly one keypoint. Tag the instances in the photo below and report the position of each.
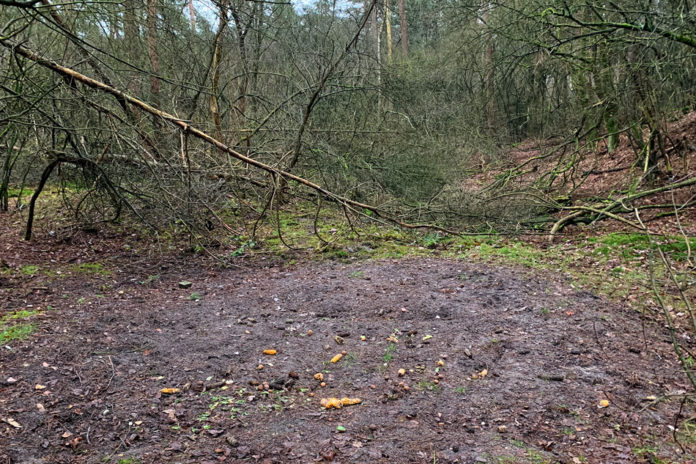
(615, 207)
(191, 130)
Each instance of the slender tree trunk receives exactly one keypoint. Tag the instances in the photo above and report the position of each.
(387, 20)
(489, 79)
(192, 15)
(153, 55)
(131, 30)
(152, 51)
(403, 25)
(215, 80)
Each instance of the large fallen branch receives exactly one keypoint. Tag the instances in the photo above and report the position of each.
(616, 207)
(189, 129)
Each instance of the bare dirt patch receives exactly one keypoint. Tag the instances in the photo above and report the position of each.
(500, 366)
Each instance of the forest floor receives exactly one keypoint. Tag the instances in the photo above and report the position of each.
(504, 359)
(126, 348)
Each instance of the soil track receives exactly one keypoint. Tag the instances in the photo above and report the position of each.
(551, 354)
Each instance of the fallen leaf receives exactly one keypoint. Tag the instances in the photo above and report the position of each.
(402, 372)
(40, 387)
(319, 376)
(427, 337)
(483, 373)
(12, 422)
(350, 401)
(270, 352)
(340, 428)
(336, 358)
(40, 407)
(170, 391)
(66, 434)
(441, 363)
(329, 403)
(603, 404)
(338, 339)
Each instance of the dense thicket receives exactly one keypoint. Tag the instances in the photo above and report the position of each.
(392, 103)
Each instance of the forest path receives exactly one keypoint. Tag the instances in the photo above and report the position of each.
(501, 365)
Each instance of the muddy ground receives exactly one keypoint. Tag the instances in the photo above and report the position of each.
(500, 366)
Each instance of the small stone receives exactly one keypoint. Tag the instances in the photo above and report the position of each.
(502, 429)
(176, 447)
(373, 427)
(293, 375)
(467, 352)
(402, 372)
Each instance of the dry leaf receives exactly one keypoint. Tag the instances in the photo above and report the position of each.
(483, 373)
(40, 407)
(270, 352)
(319, 376)
(350, 401)
(402, 372)
(603, 404)
(13, 423)
(40, 387)
(329, 403)
(170, 391)
(336, 358)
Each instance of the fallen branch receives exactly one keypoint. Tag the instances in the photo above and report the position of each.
(615, 207)
(189, 129)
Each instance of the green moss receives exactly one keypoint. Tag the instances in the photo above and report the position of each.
(14, 192)
(10, 329)
(21, 314)
(16, 332)
(29, 270)
(632, 246)
(90, 269)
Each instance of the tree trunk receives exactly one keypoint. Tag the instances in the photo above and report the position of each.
(192, 15)
(215, 80)
(403, 25)
(489, 79)
(387, 20)
(152, 51)
(153, 55)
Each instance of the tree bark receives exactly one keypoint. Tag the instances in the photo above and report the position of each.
(403, 25)
(192, 15)
(215, 80)
(387, 21)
